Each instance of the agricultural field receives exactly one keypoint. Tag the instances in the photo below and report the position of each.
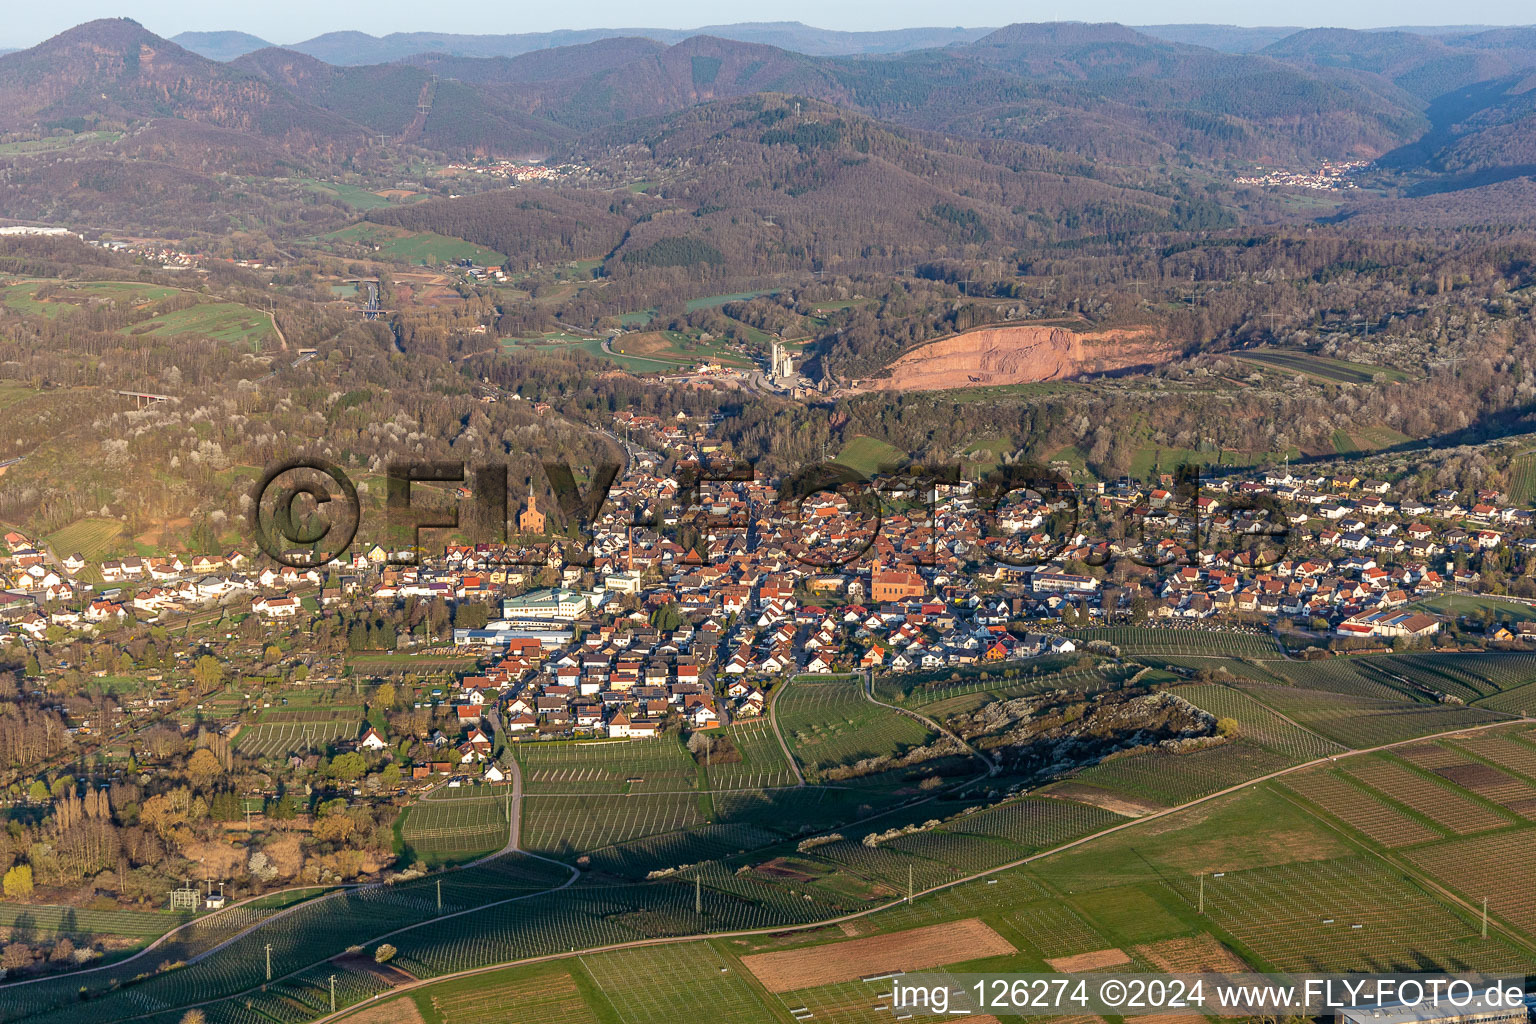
(566, 826)
(56, 142)
(221, 321)
(1496, 865)
(354, 196)
(1347, 914)
(1321, 368)
(867, 454)
(93, 539)
(44, 921)
(1167, 778)
(1363, 722)
(1366, 811)
(419, 248)
(1436, 800)
(438, 829)
(655, 986)
(1283, 890)
(1259, 724)
(1522, 478)
(677, 348)
(762, 763)
(1035, 823)
(659, 765)
(65, 297)
(282, 731)
(831, 724)
(1134, 640)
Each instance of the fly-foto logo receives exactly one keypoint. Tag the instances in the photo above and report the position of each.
(307, 512)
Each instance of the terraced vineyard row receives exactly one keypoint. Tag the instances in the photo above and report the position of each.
(437, 828)
(1258, 723)
(563, 826)
(1169, 778)
(283, 738)
(1133, 640)
(1361, 722)
(1496, 866)
(762, 763)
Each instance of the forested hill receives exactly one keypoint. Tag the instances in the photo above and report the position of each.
(770, 185)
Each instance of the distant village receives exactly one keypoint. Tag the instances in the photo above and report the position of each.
(1330, 177)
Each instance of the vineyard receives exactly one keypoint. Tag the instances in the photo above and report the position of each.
(1361, 809)
(657, 765)
(1437, 800)
(1350, 914)
(438, 829)
(1522, 478)
(1168, 778)
(279, 734)
(562, 826)
(656, 986)
(543, 993)
(828, 724)
(1496, 866)
(1258, 724)
(1364, 722)
(1035, 823)
(1134, 640)
(1513, 751)
(762, 764)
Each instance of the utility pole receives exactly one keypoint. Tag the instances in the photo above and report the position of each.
(333, 993)
(269, 961)
(439, 895)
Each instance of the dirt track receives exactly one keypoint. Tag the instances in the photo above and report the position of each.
(1018, 354)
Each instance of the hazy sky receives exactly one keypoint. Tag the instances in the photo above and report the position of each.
(291, 21)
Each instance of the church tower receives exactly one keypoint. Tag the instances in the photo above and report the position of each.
(531, 520)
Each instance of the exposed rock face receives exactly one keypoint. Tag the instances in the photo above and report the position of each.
(1017, 355)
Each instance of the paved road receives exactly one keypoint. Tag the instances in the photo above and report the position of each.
(867, 686)
(773, 720)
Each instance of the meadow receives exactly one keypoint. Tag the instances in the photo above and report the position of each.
(419, 248)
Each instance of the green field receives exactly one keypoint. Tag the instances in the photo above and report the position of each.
(614, 766)
(22, 296)
(421, 248)
(56, 142)
(1474, 604)
(868, 454)
(355, 196)
(221, 321)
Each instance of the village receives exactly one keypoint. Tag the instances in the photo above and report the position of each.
(686, 618)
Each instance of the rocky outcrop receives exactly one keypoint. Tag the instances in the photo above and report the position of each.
(1019, 354)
